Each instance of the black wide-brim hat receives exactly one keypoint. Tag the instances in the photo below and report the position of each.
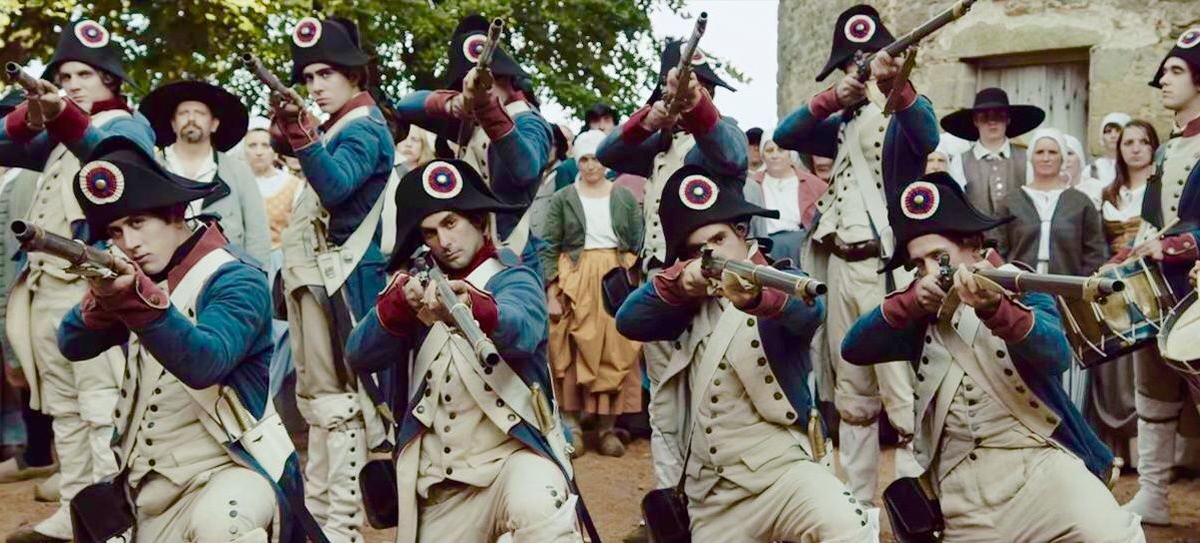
(693, 198)
(1021, 117)
(701, 66)
(334, 41)
(88, 42)
(857, 29)
(467, 43)
(933, 204)
(159, 107)
(438, 185)
(121, 178)
(1187, 48)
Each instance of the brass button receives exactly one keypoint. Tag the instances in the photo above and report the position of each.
(778, 395)
(754, 343)
(769, 379)
(762, 361)
(1033, 404)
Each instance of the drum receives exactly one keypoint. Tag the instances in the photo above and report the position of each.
(1179, 341)
(1104, 329)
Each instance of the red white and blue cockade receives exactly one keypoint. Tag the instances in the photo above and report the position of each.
(101, 182)
(473, 46)
(91, 34)
(442, 180)
(920, 200)
(860, 29)
(1189, 38)
(698, 192)
(307, 32)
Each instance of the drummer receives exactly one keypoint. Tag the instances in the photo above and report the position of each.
(1175, 200)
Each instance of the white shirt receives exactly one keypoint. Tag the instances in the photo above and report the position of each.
(1092, 188)
(981, 153)
(782, 194)
(598, 229)
(1129, 205)
(208, 170)
(1044, 201)
(1104, 169)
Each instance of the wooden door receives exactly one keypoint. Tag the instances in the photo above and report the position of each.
(1059, 88)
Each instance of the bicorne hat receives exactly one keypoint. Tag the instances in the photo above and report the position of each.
(858, 29)
(693, 198)
(467, 44)
(1187, 48)
(88, 42)
(332, 41)
(933, 204)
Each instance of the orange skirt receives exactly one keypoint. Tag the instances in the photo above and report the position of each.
(595, 367)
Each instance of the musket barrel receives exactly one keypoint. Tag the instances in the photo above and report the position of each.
(15, 74)
(256, 67)
(463, 319)
(768, 277)
(1067, 286)
(34, 238)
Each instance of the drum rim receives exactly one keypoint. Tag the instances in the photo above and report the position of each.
(1169, 324)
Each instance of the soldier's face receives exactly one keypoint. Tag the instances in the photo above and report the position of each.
(148, 240)
(83, 84)
(194, 122)
(1179, 89)
(453, 238)
(725, 240)
(925, 253)
(328, 87)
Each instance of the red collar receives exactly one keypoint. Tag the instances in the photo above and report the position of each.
(363, 98)
(993, 258)
(116, 102)
(211, 240)
(486, 252)
(1192, 128)
(759, 258)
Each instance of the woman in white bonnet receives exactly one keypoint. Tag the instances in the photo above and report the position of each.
(1104, 167)
(1077, 173)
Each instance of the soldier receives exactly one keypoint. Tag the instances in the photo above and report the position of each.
(1160, 391)
(333, 267)
(195, 124)
(510, 142)
(751, 473)
(196, 315)
(50, 133)
(651, 145)
(873, 155)
(1010, 457)
(482, 450)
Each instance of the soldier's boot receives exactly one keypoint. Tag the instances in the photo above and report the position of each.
(1156, 454)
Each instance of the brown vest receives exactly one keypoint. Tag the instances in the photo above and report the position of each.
(989, 182)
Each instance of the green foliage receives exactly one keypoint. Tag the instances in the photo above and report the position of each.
(578, 51)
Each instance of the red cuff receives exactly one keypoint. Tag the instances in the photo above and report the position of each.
(901, 307)
(1121, 255)
(701, 119)
(666, 284)
(769, 304)
(824, 104)
(633, 131)
(95, 317)
(70, 124)
(485, 310)
(299, 133)
(17, 128)
(395, 315)
(1180, 249)
(435, 103)
(1011, 321)
(905, 99)
(136, 306)
(493, 119)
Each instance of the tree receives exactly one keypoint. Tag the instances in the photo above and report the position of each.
(578, 51)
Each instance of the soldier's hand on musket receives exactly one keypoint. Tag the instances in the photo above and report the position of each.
(44, 105)
(434, 304)
(477, 86)
(740, 292)
(414, 294)
(688, 93)
(457, 107)
(693, 280)
(288, 107)
(885, 67)
(850, 91)
(658, 118)
(973, 292)
(929, 294)
(103, 287)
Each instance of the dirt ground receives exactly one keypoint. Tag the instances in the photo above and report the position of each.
(613, 489)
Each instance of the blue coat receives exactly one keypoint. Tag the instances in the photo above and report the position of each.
(1189, 219)
(1040, 358)
(722, 151)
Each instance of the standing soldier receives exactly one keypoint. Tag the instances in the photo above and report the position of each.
(650, 144)
(752, 473)
(195, 124)
(203, 455)
(482, 450)
(510, 143)
(50, 133)
(873, 154)
(333, 267)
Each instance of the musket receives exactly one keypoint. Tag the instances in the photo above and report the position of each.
(763, 276)
(683, 69)
(1018, 281)
(950, 14)
(268, 78)
(467, 127)
(463, 319)
(85, 260)
(18, 76)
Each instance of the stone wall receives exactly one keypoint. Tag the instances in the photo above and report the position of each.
(1125, 39)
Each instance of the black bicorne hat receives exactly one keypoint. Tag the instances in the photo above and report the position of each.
(693, 198)
(1187, 48)
(701, 66)
(467, 43)
(88, 42)
(1021, 117)
(933, 204)
(160, 105)
(120, 178)
(332, 41)
(754, 136)
(858, 29)
(438, 185)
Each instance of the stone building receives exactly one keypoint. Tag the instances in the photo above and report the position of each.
(1077, 59)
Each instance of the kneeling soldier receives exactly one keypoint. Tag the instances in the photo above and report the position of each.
(482, 451)
(753, 470)
(1010, 457)
(202, 453)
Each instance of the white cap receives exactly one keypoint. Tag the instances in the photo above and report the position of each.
(587, 143)
(258, 123)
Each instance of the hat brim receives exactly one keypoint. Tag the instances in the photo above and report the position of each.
(981, 224)
(410, 223)
(1022, 118)
(160, 105)
(744, 211)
